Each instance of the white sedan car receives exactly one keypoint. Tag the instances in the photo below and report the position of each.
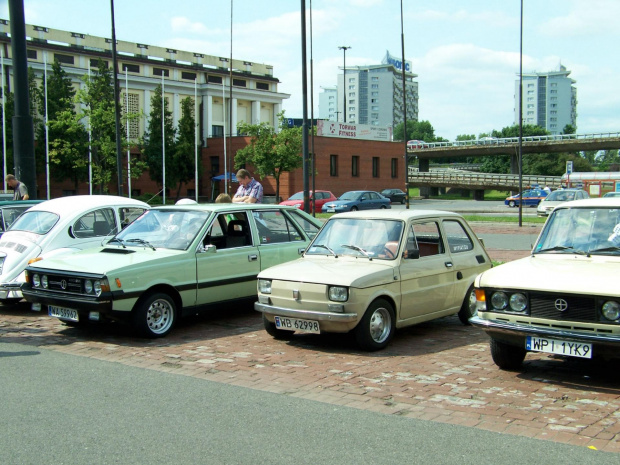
(61, 225)
(373, 272)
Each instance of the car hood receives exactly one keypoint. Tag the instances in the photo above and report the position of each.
(554, 272)
(292, 202)
(103, 260)
(339, 202)
(342, 271)
(18, 248)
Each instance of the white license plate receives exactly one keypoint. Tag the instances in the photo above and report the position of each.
(295, 324)
(64, 313)
(331, 210)
(555, 346)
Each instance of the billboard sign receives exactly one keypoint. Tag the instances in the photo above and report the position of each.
(396, 62)
(353, 131)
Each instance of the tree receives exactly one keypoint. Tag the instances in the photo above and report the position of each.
(9, 111)
(569, 129)
(151, 143)
(68, 139)
(416, 130)
(183, 162)
(271, 153)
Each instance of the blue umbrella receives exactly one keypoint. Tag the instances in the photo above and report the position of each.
(221, 177)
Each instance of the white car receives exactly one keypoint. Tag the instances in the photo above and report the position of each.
(58, 226)
(546, 205)
(563, 299)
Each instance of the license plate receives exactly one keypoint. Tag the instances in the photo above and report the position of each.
(64, 313)
(295, 324)
(555, 346)
(331, 210)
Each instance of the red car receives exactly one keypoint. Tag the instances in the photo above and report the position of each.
(297, 200)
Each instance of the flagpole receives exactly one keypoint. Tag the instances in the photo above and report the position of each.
(3, 114)
(90, 147)
(163, 139)
(47, 128)
(127, 123)
(224, 114)
(196, 137)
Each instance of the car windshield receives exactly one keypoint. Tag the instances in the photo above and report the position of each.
(170, 229)
(350, 196)
(581, 230)
(561, 196)
(371, 238)
(38, 222)
(297, 196)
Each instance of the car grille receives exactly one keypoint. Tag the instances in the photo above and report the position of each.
(577, 308)
(67, 284)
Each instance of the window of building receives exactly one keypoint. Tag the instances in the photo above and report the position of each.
(160, 71)
(239, 82)
(375, 108)
(262, 86)
(131, 68)
(554, 84)
(355, 165)
(214, 79)
(530, 85)
(374, 78)
(351, 79)
(351, 87)
(374, 100)
(394, 167)
(94, 63)
(217, 131)
(215, 166)
(331, 97)
(31, 54)
(333, 165)
(553, 99)
(374, 94)
(375, 167)
(352, 101)
(554, 105)
(351, 94)
(188, 76)
(374, 86)
(65, 59)
(352, 108)
(352, 118)
(553, 91)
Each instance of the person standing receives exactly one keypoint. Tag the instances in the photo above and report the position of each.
(19, 188)
(250, 190)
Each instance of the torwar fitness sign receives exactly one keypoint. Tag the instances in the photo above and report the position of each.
(353, 131)
(396, 62)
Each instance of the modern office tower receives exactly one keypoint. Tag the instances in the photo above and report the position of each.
(549, 100)
(373, 95)
(328, 104)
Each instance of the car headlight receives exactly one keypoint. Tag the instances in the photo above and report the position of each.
(88, 286)
(44, 281)
(297, 205)
(97, 288)
(264, 286)
(338, 293)
(518, 302)
(499, 300)
(611, 310)
(36, 280)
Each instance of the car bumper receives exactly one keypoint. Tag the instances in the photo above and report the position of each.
(515, 334)
(329, 321)
(83, 304)
(10, 291)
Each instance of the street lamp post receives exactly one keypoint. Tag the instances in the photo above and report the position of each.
(344, 49)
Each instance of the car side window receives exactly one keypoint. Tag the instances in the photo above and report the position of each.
(98, 223)
(457, 237)
(309, 228)
(129, 214)
(428, 238)
(229, 230)
(274, 226)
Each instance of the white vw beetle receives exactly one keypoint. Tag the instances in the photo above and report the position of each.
(61, 225)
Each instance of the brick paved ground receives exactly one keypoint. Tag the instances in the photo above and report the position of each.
(440, 371)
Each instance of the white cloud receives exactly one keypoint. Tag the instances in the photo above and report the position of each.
(587, 18)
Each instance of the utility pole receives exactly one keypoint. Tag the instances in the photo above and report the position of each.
(344, 49)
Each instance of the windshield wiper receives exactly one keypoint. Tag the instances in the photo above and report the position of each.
(561, 248)
(355, 247)
(605, 249)
(143, 242)
(120, 241)
(323, 246)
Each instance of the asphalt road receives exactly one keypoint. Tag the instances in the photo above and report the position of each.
(65, 409)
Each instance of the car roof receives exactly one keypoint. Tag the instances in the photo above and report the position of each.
(18, 203)
(600, 202)
(75, 202)
(218, 207)
(394, 214)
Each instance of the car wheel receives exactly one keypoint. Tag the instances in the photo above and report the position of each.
(155, 315)
(353, 209)
(469, 307)
(276, 333)
(512, 204)
(505, 356)
(403, 201)
(383, 207)
(376, 329)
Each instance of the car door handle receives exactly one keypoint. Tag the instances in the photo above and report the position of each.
(448, 264)
(252, 258)
(300, 250)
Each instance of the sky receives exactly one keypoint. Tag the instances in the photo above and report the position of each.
(465, 53)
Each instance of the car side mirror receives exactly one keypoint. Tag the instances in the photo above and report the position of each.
(209, 248)
(412, 254)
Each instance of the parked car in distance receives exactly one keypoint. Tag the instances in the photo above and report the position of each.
(546, 205)
(395, 195)
(60, 226)
(171, 262)
(356, 200)
(372, 272)
(488, 141)
(612, 194)
(563, 299)
(10, 211)
(531, 198)
(321, 197)
(416, 144)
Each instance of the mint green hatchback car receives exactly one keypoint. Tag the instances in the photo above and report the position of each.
(170, 262)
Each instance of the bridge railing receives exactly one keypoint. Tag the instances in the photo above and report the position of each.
(480, 180)
(515, 140)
